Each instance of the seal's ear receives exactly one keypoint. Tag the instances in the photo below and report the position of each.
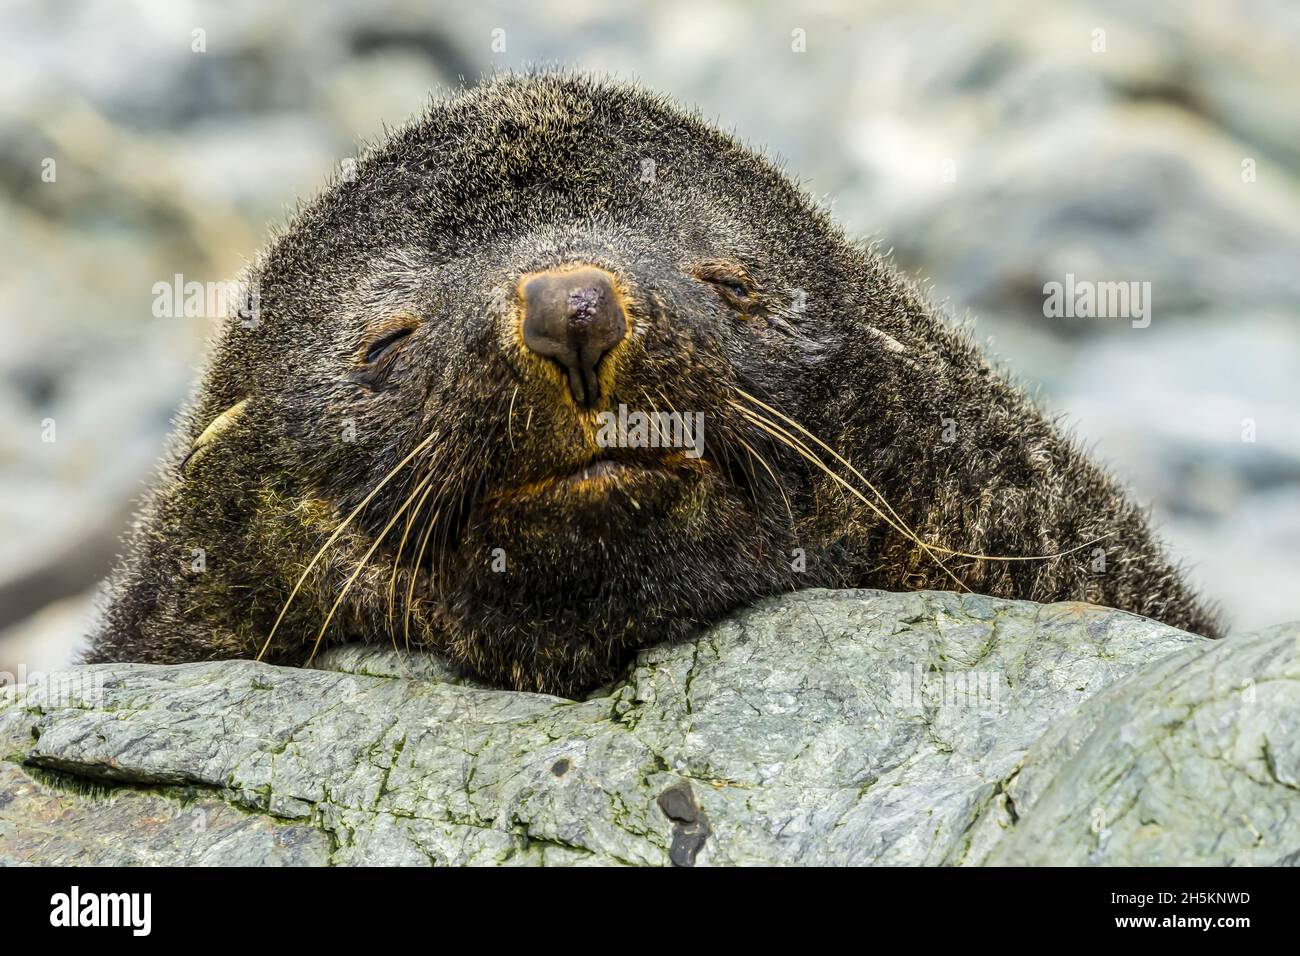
(214, 430)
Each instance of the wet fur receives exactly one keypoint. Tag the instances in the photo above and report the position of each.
(529, 172)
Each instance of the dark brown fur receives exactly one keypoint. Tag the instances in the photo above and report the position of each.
(734, 280)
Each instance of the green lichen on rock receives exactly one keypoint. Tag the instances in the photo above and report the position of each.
(850, 727)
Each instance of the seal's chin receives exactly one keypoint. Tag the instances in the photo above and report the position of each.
(550, 584)
(570, 524)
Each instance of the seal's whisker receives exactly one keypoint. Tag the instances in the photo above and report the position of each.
(337, 533)
(664, 439)
(510, 418)
(666, 400)
(780, 486)
(725, 457)
(411, 519)
(790, 441)
(361, 565)
(908, 532)
(659, 437)
(410, 585)
(895, 522)
(468, 464)
(726, 460)
(838, 457)
(401, 546)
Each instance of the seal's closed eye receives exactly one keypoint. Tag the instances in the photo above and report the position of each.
(373, 359)
(733, 283)
(385, 345)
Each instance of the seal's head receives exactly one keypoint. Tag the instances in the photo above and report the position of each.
(559, 371)
(547, 291)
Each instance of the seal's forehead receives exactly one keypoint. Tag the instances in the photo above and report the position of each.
(564, 131)
(551, 112)
(531, 149)
(524, 154)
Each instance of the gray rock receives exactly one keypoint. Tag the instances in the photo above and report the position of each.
(1193, 759)
(845, 727)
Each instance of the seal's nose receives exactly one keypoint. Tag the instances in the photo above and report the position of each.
(573, 316)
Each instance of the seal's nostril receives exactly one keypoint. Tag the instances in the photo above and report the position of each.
(574, 317)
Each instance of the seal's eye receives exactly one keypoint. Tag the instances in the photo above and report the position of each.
(731, 280)
(374, 358)
(385, 345)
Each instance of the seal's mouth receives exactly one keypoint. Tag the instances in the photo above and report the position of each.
(603, 476)
(602, 471)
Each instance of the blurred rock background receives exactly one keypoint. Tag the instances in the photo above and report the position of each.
(994, 148)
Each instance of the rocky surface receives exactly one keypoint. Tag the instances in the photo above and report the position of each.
(849, 727)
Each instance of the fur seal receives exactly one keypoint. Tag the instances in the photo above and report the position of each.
(404, 445)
